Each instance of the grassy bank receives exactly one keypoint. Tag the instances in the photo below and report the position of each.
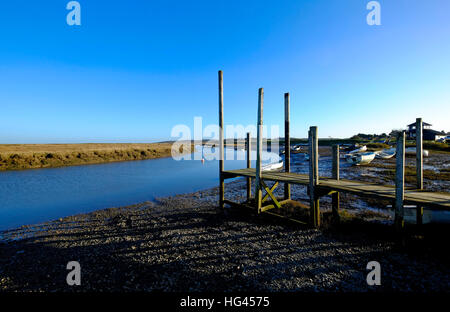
(29, 156)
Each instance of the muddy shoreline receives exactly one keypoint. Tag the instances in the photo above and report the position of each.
(184, 243)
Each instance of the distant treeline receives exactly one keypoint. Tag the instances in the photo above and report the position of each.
(369, 137)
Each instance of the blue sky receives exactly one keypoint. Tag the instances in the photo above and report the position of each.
(135, 69)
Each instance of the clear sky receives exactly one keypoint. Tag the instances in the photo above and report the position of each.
(135, 69)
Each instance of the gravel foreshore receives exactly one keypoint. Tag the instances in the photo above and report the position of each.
(184, 243)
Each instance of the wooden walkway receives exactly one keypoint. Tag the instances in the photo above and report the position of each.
(412, 197)
(319, 186)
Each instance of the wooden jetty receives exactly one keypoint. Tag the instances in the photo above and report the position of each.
(324, 186)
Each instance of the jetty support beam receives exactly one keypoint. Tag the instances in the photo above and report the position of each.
(269, 193)
(419, 165)
(314, 177)
(272, 189)
(400, 182)
(287, 145)
(258, 193)
(249, 165)
(221, 145)
(335, 175)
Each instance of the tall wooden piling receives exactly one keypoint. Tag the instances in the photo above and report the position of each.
(258, 193)
(314, 176)
(419, 165)
(221, 143)
(287, 144)
(335, 175)
(400, 181)
(335, 164)
(249, 165)
(419, 153)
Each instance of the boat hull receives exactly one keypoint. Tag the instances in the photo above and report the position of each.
(360, 159)
(385, 154)
(273, 166)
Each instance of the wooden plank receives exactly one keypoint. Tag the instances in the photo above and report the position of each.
(287, 144)
(400, 181)
(249, 165)
(259, 150)
(272, 206)
(221, 147)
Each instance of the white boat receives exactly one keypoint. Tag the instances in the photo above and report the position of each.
(386, 153)
(272, 166)
(361, 158)
(412, 151)
(362, 149)
(296, 148)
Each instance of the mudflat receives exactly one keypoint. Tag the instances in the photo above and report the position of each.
(186, 243)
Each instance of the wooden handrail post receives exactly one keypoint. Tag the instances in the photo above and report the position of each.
(221, 145)
(419, 165)
(258, 193)
(335, 175)
(249, 165)
(400, 181)
(314, 176)
(287, 144)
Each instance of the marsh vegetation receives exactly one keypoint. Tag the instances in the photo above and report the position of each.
(30, 156)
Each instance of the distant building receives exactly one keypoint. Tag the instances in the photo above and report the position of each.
(428, 133)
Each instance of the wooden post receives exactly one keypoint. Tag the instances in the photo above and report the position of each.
(258, 193)
(287, 145)
(221, 146)
(419, 153)
(400, 181)
(419, 165)
(314, 176)
(249, 165)
(335, 175)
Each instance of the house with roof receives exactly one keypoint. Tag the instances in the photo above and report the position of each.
(428, 133)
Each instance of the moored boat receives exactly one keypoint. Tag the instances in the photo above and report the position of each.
(386, 153)
(358, 150)
(360, 158)
(272, 166)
